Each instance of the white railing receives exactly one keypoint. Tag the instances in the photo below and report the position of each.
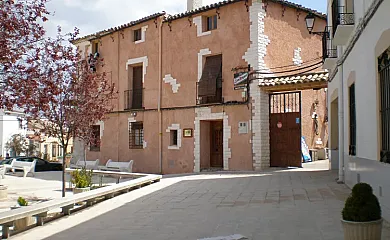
(66, 204)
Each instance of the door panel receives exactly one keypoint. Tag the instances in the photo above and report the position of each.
(216, 144)
(285, 130)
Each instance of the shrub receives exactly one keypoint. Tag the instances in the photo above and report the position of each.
(82, 178)
(22, 202)
(362, 205)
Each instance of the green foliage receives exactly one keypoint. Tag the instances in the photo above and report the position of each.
(82, 178)
(22, 202)
(362, 205)
(17, 144)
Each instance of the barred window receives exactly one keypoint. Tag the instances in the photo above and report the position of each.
(95, 144)
(136, 135)
(352, 121)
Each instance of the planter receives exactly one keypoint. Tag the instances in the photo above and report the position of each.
(362, 230)
(81, 190)
(3, 192)
(22, 223)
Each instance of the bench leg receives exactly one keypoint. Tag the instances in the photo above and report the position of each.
(40, 218)
(117, 180)
(5, 232)
(66, 209)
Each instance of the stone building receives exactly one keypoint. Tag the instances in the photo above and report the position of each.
(184, 102)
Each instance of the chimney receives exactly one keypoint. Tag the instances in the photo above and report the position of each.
(193, 4)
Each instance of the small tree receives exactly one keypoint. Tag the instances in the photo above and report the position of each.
(17, 144)
(21, 33)
(79, 97)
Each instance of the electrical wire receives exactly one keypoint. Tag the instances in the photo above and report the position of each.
(293, 65)
(287, 71)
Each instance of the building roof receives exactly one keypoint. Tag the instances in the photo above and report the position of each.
(123, 26)
(226, 2)
(294, 80)
(169, 18)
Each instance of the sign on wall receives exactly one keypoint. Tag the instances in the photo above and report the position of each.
(240, 80)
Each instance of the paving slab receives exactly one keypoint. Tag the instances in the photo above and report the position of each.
(277, 204)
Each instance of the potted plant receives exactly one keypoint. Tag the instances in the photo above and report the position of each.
(82, 179)
(362, 216)
(24, 222)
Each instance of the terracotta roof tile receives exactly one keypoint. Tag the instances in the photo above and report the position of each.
(226, 2)
(306, 78)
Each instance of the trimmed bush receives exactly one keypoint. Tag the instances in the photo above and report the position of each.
(82, 178)
(362, 205)
(22, 202)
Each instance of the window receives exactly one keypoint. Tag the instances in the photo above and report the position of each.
(136, 135)
(211, 23)
(137, 35)
(173, 137)
(54, 150)
(95, 47)
(95, 143)
(384, 86)
(210, 84)
(352, 121)
(134, 96)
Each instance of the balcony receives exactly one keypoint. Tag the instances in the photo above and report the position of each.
(329, 50)
(343, 23)
(134, 99)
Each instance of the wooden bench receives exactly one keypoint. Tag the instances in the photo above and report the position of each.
(40, 210)
(118, 166)
(22, 165)
(92, 165)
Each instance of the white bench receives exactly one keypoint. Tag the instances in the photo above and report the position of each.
(2, 171)
(22, 165)
(91, 165)
(118, 166)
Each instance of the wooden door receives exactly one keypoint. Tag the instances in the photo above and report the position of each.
(137, 87)
(216, 144)
(285, 130)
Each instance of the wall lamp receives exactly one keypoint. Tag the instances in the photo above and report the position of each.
(310, 20)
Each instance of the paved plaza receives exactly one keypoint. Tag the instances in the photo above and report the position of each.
(273, 205)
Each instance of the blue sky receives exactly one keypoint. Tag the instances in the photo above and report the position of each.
(95, 15)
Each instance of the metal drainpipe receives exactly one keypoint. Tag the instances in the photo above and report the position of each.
(118, 68)
(160, 156)
(341, 120)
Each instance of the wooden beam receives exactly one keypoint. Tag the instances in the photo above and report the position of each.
(294, 87)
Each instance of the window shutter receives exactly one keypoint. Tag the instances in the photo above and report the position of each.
(211, 72)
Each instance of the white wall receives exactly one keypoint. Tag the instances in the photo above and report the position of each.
(362, 61)
(9, 126)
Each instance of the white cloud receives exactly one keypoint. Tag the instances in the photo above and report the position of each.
(95, 15)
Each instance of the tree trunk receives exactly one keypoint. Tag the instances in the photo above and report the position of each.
(63, 169)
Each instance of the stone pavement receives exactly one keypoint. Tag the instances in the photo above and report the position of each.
(272, 205)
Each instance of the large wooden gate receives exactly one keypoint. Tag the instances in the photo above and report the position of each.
(285, 129)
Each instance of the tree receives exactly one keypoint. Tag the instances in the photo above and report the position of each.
(21, 36)
(17, 144)
(79, 96)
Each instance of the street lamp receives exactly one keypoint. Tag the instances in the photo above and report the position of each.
(310, 20)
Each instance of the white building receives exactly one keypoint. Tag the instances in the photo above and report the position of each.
(9, 125)
(357, 51)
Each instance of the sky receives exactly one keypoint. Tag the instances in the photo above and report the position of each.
(91, 16)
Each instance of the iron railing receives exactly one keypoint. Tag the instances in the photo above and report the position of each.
(328, 49)
(384, 81)
(134, 99)
(341, 15)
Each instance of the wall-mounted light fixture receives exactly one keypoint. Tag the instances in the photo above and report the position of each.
(310, 20)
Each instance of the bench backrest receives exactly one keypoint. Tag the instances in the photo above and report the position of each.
(88, 164)
(21, 164)
(123, 166)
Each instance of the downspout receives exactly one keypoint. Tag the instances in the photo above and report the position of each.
(160, 154)
(341, 120)
(118, 68)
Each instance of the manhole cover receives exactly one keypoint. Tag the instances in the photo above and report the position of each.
(232, 237)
